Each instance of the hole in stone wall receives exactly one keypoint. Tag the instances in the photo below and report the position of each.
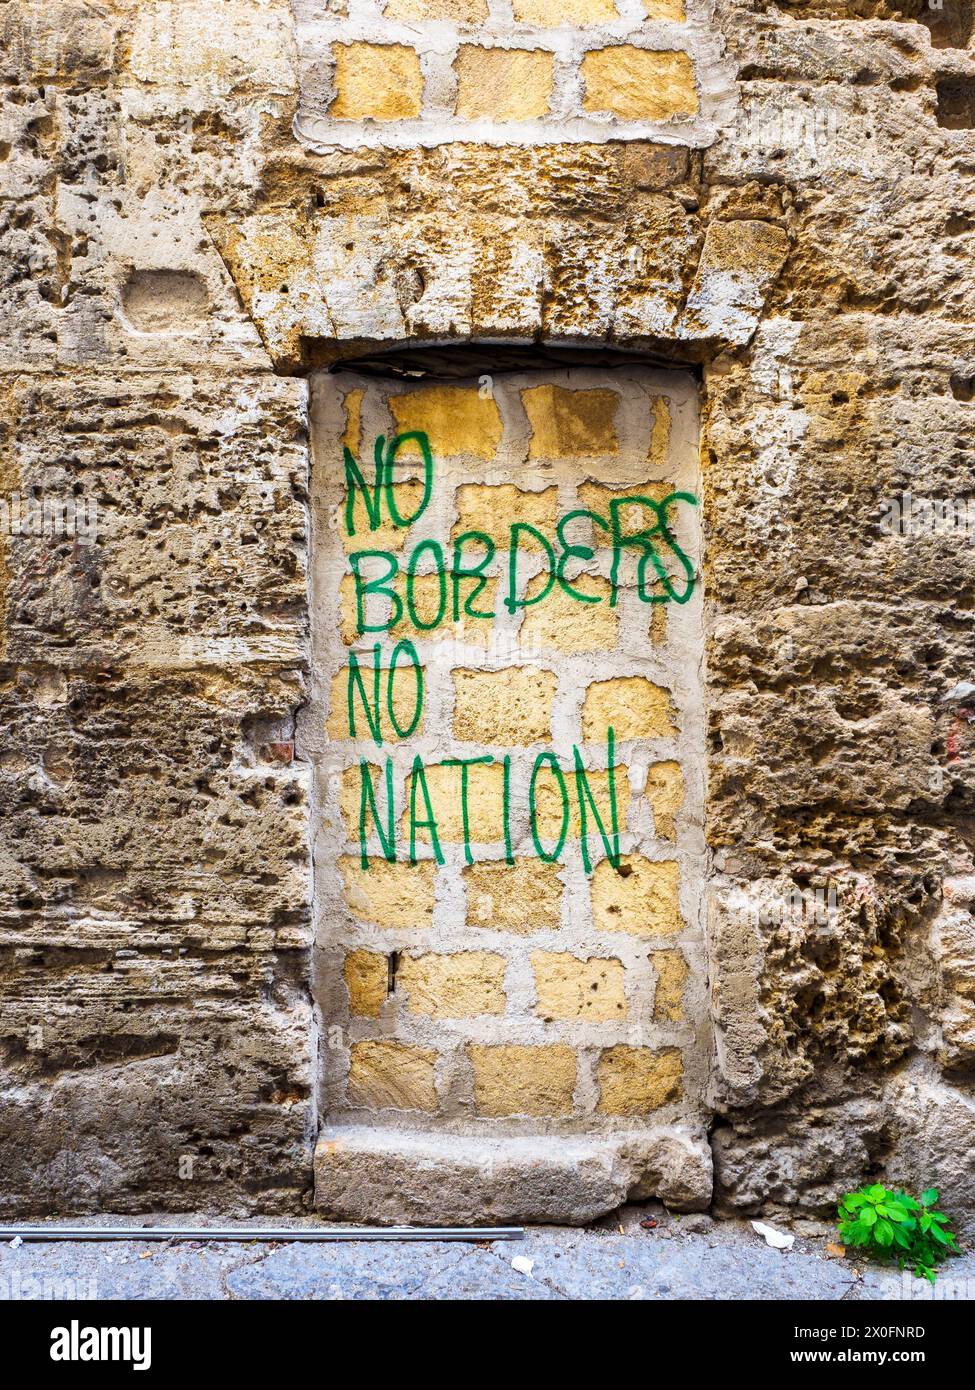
(458, 360)
(158, 301)
(963, 388)
(956, 103)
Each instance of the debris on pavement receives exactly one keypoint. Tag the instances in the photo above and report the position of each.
(779, 1240)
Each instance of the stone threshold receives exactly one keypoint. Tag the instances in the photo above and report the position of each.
(378, 1175)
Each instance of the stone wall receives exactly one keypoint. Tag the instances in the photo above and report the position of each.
(199, 210)
(156, 923)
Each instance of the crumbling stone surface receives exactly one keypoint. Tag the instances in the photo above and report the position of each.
(155, 938)
(837, 748)
(796, 1157)
(434, 1179)
(155, 925)
(551, 258)
(188, 224)
(931, 1127)
(795, 993)
(953, 946)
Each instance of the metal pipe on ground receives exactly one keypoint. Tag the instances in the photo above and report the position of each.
(261, 1233)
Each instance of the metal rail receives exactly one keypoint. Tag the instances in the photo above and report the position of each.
(313, 1233)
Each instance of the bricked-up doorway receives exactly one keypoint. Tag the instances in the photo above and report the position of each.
(505, 724)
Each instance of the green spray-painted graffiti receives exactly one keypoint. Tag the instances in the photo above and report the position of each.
(382, 819)
(367, 708)
(654, 544)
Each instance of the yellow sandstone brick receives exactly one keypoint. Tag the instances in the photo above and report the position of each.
(347, 609)
(503, 84)
(632, 705)
(485, 803)
(668, 1003)
(549, 804)
(352, 438)
(389, 895)
(567, 423)
(565, 624)
(554, 14)
(387, 535)
(460, 11)
(350, 805)
(404, 693)
(525, 896)
(426, 607)
(514, 1080)
(392, 1076)
(638, 84)
(380, 82)
(640, 898)
(455, 419)
(665, 792)
(462, 985)
(633, 518)
(636, 1080)
(367, 979)
(492, 508)
(568, 988)
(511, 707)
(660, 435)
(665, 9)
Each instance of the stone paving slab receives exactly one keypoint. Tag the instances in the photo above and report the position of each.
(583, 1265)
(683, 1258)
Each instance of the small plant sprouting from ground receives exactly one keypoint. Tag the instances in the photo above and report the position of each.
(894, 1226)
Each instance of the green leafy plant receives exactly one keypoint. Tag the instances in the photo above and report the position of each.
(894, 1226)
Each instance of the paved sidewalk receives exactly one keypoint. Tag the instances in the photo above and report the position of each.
(685, 1257)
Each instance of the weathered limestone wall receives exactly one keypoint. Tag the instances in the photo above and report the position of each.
(155, 922)
(841, 647)
(198, 209)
